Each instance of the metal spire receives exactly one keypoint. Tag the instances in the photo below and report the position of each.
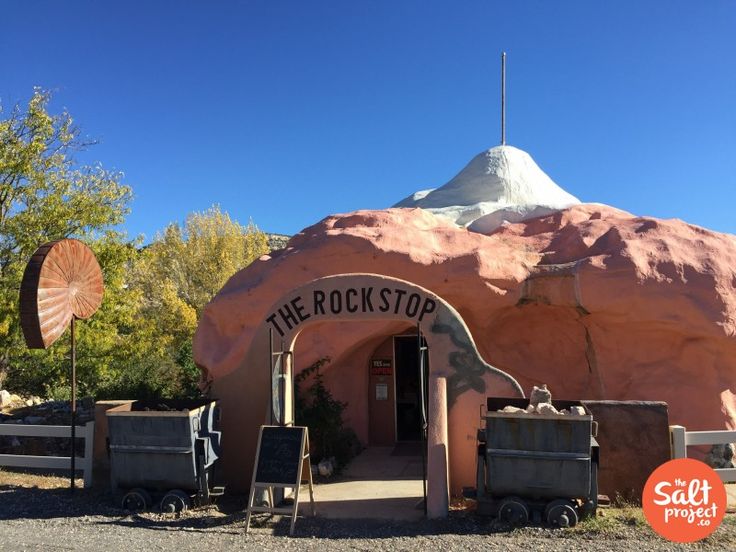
(503, 99)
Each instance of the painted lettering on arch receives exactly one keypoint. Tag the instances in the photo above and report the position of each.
(325, 303)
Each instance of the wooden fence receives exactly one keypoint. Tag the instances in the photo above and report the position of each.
(85, 432)
(680, 439)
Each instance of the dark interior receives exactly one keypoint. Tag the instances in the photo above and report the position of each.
(408, 398)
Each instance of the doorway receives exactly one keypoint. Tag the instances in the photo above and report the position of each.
(408, 387)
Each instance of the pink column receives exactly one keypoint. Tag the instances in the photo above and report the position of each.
(438, 497)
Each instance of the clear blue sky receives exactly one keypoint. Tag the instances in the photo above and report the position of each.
(287, 111)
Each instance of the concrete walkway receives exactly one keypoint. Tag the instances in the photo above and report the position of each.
(379, 485)
(376, 485)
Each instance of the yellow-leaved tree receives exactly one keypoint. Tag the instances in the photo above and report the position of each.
(176, 276)
(138, 344)
(46, 194)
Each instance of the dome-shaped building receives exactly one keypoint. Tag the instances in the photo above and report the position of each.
(511, 282)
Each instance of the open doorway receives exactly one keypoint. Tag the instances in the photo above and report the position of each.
(408, 389)
(390, 470)
(394, 396)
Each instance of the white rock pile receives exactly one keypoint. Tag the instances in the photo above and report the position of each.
(10, 400)
(540, 402)
(33, 410)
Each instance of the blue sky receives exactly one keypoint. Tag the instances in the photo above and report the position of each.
(287, 111)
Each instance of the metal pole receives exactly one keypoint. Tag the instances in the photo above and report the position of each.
(270, 374)
(282, 387)
(292, 367)
(503, 99)
(423, 428)
(74, 406)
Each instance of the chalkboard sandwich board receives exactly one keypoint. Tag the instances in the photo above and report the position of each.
(282, 461)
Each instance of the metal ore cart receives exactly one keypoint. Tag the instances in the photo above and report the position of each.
(534, 467)
(164, 448)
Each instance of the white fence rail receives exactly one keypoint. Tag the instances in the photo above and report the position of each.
(85, 432)
(680, 439)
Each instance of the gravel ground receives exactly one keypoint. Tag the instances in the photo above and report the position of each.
(38, 513)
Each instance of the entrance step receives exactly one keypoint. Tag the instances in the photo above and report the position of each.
(369, 499)
(380, 463)
(375, 485)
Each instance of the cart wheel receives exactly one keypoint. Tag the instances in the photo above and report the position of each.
(513, 510)
(561, 513)
(175, 501)
(136, 500)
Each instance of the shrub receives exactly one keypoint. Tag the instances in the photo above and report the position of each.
(317, 409)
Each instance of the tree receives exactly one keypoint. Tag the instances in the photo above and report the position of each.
(45, 195)
(181, 271)
(138, 344)
(196, 259)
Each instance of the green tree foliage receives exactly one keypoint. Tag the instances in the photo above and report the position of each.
(138, 345)
(317, 409)
(45, 195)
(195, 260)
(177, 275)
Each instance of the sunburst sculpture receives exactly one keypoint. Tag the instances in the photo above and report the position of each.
(62, 281)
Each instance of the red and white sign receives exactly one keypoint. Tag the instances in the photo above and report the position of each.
(381, 367)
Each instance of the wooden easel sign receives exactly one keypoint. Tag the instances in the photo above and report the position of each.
(282, 458)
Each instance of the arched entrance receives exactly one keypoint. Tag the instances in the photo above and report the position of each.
(454, 365)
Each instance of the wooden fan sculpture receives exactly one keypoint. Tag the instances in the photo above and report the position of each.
(62, 283)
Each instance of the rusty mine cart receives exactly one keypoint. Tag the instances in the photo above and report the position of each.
(164, 448)
(533, 467)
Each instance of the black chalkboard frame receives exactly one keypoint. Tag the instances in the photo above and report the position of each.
(302, 468)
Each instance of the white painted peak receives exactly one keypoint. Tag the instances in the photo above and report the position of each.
(503, 180)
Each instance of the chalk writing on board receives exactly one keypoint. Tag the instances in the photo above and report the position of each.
(280, 455)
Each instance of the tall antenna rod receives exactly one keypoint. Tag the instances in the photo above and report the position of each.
(503, 99)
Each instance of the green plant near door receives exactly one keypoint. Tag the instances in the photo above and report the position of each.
(317, 409)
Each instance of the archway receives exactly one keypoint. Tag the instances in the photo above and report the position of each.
(454, 365)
